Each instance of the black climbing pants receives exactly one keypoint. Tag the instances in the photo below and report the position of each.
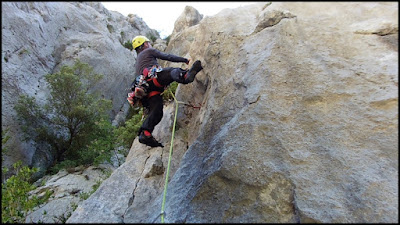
(155, 113)
(155, 104)
(171, 74)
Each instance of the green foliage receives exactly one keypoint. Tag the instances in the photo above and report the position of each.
(100, 148)
(63, 165)
(4, 150)
(127, 133)
(86, 195)
(110, 28)
(15, 200)
(62, 218)
(151, 36)
(28, 110)
(4, 139)
(128, 45)
(167, 39)
(74, 121)
(74, 206)
(24, 51)
(167, 96)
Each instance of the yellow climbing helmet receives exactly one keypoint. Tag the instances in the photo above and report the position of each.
(138, 41)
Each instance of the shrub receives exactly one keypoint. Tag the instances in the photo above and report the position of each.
(15, 202)
(100, 148)
(4, 138)
(63, 165)
(167, 96)
(15, 199)
(128, 45)
(74, 119)
(151, 36)
(126, 133)
(86, 195)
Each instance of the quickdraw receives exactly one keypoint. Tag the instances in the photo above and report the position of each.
(152, 73)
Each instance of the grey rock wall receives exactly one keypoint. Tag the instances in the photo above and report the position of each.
(68, 188)
(39, 37)
(298, 124)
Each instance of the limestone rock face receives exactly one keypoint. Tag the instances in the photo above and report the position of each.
(39, 37)
(138, 181)
(160, 44)
(189, 17)
(67, 189)
(298, 122)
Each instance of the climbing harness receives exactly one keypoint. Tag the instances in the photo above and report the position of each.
(141, 84)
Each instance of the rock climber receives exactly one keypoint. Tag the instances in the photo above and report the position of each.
(147, 60)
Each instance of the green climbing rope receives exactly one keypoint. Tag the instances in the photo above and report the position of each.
(169, 160)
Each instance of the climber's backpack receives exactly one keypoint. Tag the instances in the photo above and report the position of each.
(141, 86)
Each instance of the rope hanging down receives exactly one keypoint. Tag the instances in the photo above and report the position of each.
(169, 159)
(170, 154)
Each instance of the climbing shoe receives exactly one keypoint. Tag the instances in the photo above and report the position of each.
(146, 138)
(190, 75)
